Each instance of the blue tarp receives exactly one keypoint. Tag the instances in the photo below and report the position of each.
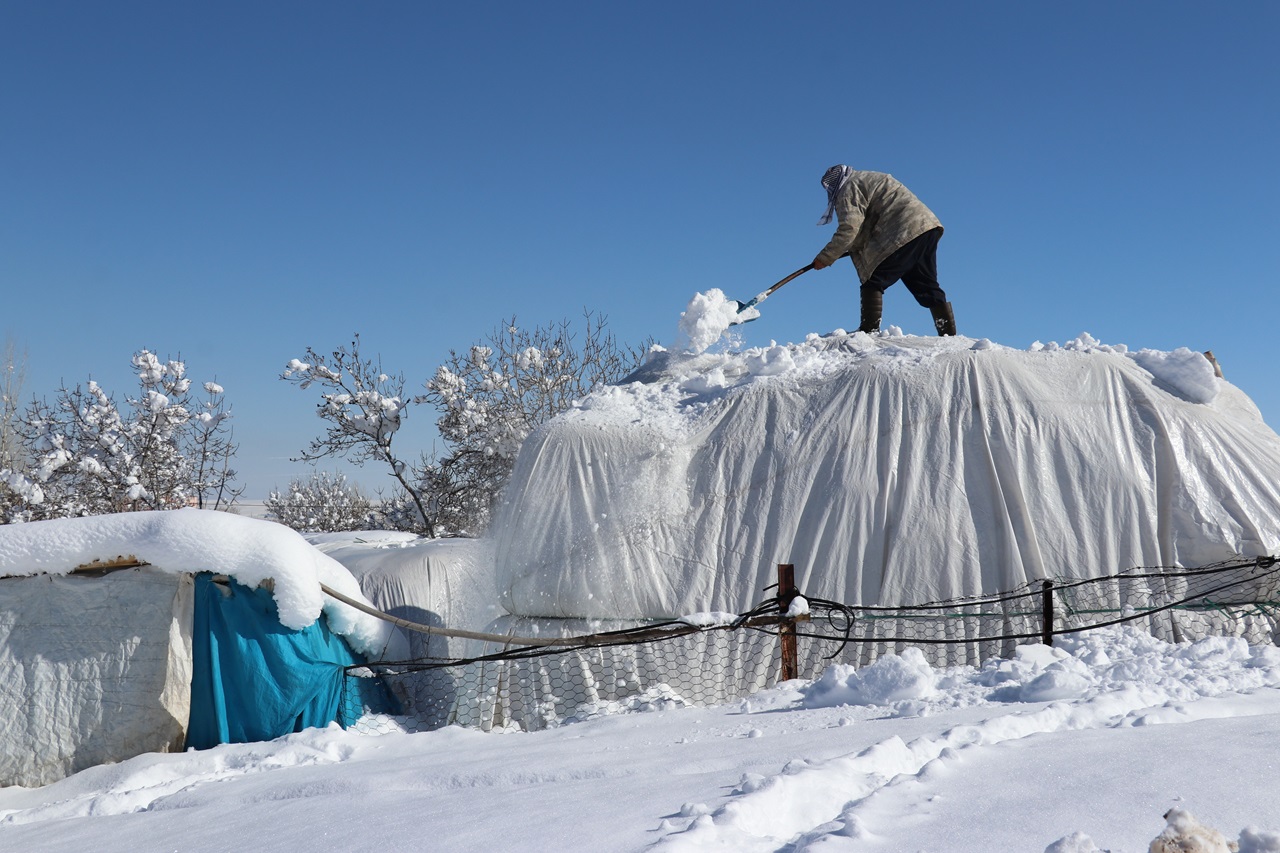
(252, 678)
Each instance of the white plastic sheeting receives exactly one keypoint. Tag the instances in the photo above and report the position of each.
(888, 469)
(436, 582)
(92, 670)
(441, 583)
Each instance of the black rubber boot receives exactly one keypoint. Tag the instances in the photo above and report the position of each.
(872, 306)
(944, 319)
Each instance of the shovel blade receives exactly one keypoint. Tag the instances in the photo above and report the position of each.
(738, 318)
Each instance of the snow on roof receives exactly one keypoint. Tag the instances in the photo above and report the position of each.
(194, 540)
(372, 538)
(888, 469)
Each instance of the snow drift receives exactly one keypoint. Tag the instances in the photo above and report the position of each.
(888, 469)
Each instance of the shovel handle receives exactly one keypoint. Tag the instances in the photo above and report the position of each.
(760, 297)
(764, 294)
(795, 274)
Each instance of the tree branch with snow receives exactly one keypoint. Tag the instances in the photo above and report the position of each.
(363, 408)
(489, 398)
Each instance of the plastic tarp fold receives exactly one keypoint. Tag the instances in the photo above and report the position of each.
(890, 470)
(92, 670)
(253, 678)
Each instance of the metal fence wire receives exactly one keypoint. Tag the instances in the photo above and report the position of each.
(514, 686)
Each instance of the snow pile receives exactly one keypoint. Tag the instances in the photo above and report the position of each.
(193, 540)
(1079, 667)
(863, 459)
(1076, 842)
(1255, 840)
(1184, 833)
(891, 678)
(706, 319)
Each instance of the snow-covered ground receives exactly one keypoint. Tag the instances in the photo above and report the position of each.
(1088, 743)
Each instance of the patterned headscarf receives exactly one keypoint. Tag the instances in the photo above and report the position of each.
(833, 180)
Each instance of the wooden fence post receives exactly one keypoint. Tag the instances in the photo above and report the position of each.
(1046, 628)
(786, 593)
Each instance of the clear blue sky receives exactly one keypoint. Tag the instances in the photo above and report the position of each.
(232, 182)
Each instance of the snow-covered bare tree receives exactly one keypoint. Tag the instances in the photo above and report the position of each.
(364, 409)
(489, 399)
(86, 456)
(209, 448)
(323, 502)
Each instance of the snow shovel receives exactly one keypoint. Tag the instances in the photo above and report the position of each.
(761, 297)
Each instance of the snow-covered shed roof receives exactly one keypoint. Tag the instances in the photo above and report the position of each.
(889, 469)
(193, 540)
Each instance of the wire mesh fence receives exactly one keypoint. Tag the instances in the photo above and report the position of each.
(510, 686)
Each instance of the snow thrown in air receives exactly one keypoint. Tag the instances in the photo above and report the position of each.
(707, 318)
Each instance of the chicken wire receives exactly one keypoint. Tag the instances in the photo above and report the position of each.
(675, 664)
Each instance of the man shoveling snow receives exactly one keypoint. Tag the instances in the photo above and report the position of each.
(890, 235)
(884, 228)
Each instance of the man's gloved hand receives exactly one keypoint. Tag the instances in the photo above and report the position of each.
(819, 263)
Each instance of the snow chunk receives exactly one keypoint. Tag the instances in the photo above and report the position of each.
(1186, 372)
(1183, 371)
(892, 678)
(770, 361)
(705, 383)
(1076, 842)
(706, 319)
(1254, 840)
(660, 697)
(1184, 833)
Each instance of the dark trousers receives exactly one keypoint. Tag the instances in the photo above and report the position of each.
(916, 264)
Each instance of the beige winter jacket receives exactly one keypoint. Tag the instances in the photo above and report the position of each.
(878, 216)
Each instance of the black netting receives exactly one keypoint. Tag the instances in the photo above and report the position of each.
(673, 664)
